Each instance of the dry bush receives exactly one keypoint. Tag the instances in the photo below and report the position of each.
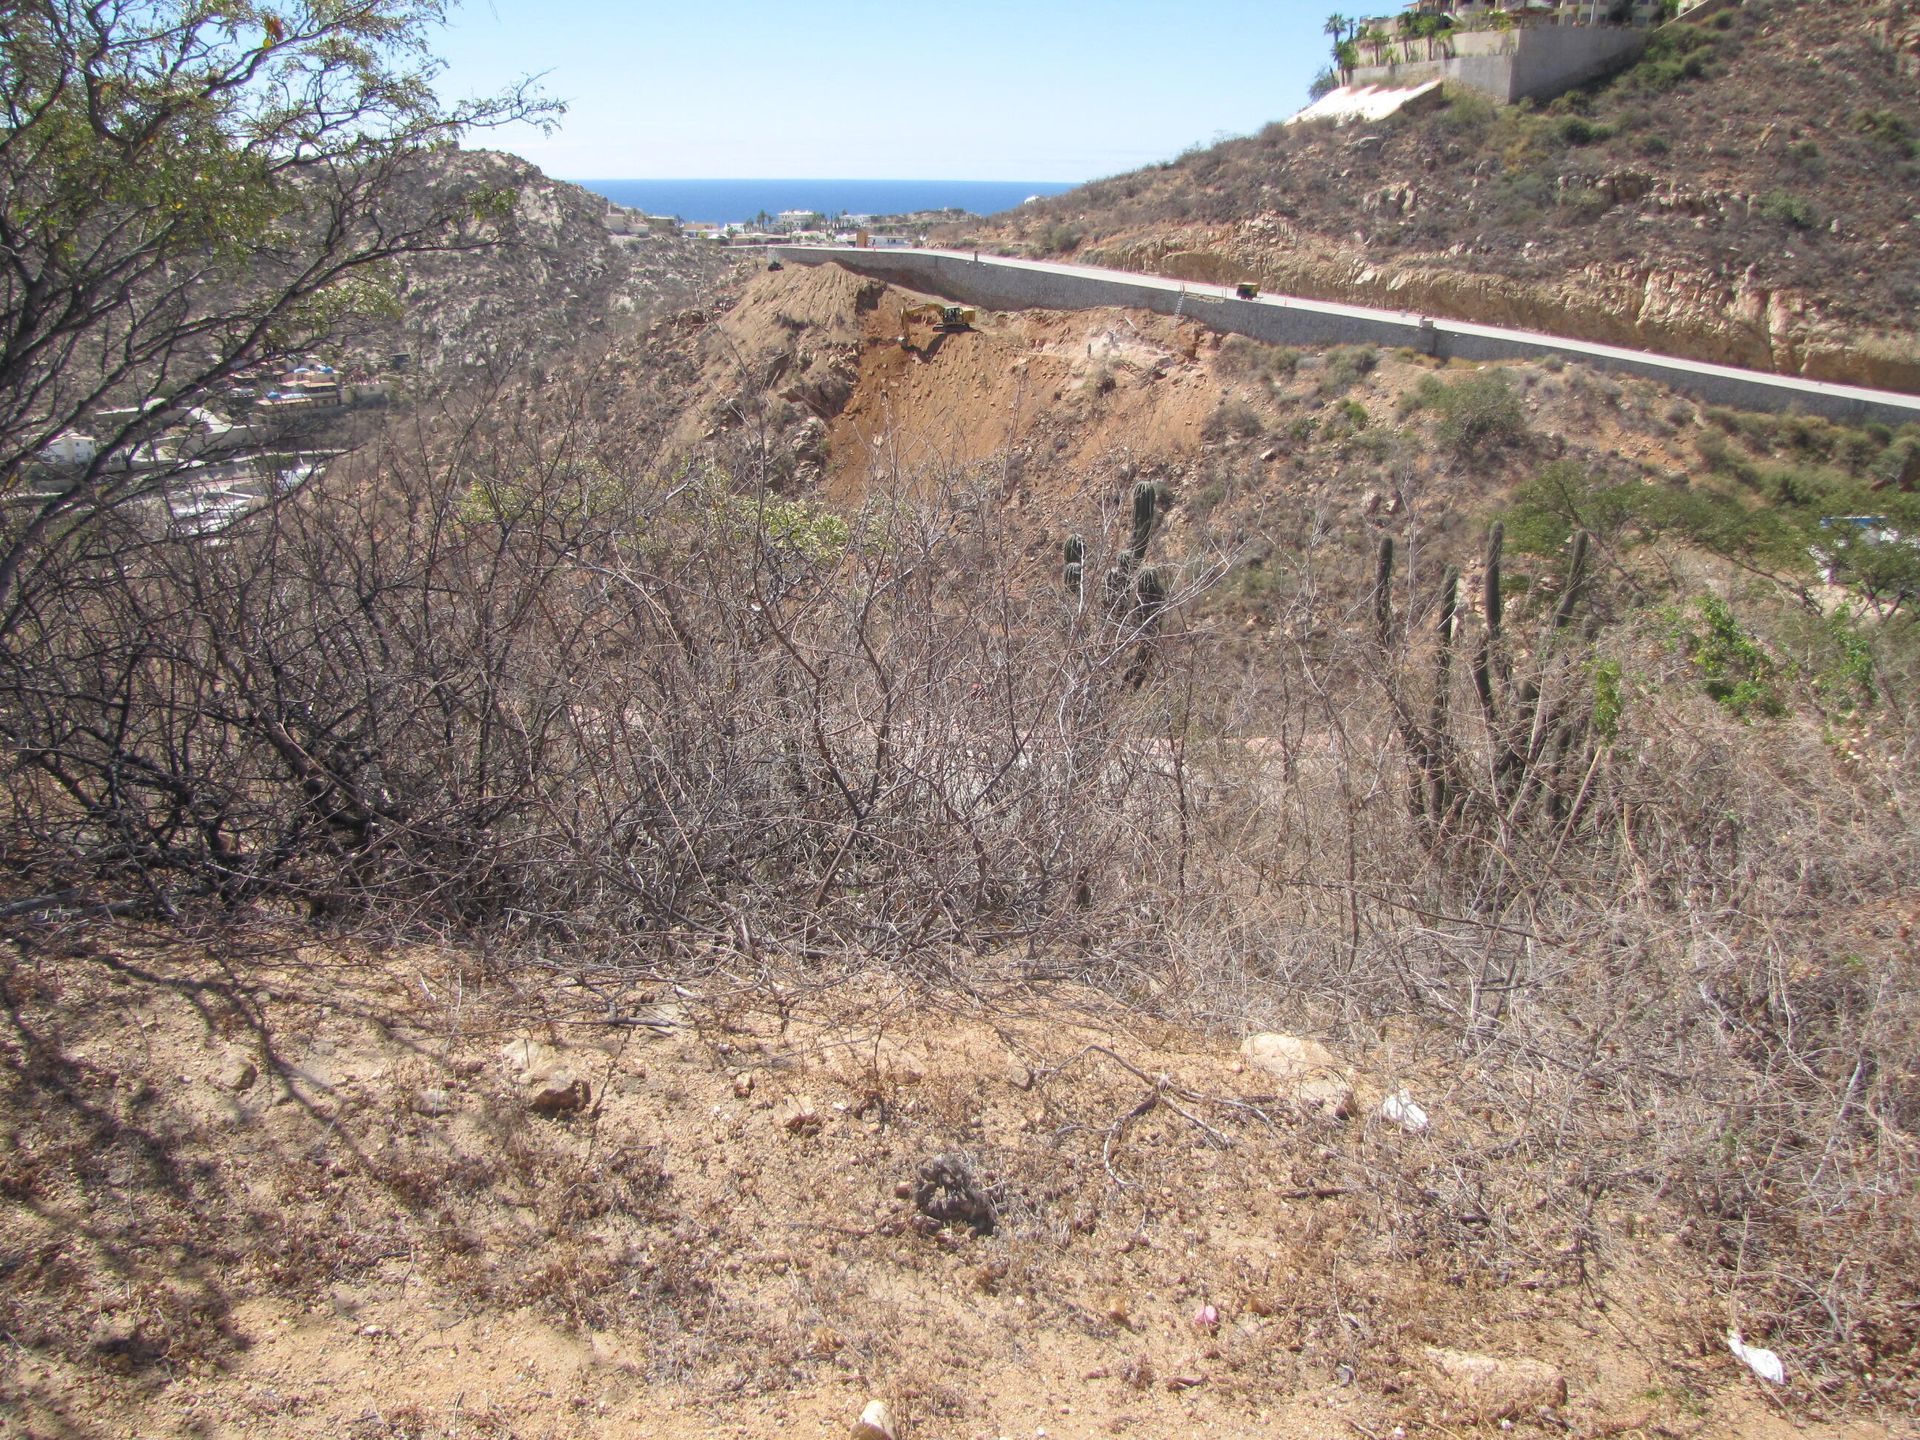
(506, 680)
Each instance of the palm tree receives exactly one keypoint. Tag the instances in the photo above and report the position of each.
(1336, 27)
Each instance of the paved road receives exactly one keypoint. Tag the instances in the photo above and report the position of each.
(1001, 282)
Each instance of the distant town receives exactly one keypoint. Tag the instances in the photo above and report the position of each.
(261, 432)
(788, 227)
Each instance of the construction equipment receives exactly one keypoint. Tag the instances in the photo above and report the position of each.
(1245, 290)
(945, 319)
(942, 320)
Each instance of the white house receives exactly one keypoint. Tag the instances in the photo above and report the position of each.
(70, 447)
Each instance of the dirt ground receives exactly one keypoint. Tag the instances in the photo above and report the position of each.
(265, 1188)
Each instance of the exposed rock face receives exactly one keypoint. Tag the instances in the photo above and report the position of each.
(546, 273)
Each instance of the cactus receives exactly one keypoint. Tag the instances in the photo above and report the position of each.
(1146, 499)
(1576, 577)
(1436, 748)
(1383, 591)
(1485, 659)
(1072, 572)
(1150, 591)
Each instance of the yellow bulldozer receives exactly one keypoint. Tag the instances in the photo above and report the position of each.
(940, 319)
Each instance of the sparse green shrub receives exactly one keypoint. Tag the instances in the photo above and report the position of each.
(1240, 356)
(1805, 155)
(1478, 414)
(1734, 669)
(1347, 366)
(1061, 239)
(1233, 417)
(1674, 54)
(1466, 113)
(1844, 684)
(1354, 413)
(1786, 208)
(1578, 130)
(1609, 700)
(1584, 203)
(1884, 127)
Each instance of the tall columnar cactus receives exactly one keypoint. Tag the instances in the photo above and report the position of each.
(1383, 591)
(1146, 502)
(1576, 578)
(1541, 751)
(1437, 747)
(1486, 659)
(1072, 572)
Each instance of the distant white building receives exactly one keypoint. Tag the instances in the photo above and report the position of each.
(70, 447)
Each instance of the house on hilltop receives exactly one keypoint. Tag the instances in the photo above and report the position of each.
(1507, 49)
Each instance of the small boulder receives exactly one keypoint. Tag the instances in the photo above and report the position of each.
(432, 1100)
(1490, 1388)
(238, 1075)
(800, 1116)
(559, 1092)
(1307, 1071)
(875, 1423)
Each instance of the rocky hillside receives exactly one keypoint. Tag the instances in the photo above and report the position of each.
(547, 274)
(1745, 194)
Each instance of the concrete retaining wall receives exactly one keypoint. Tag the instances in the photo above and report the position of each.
(1532, 63)
(997, 283)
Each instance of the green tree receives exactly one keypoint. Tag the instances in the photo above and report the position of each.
(186, 185)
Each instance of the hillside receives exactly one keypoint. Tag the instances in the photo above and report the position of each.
(1746, 194)
(1072, 876)
(533, 280)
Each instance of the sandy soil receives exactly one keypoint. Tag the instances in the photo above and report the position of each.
(267, 1189)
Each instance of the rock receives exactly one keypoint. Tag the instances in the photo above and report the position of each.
(800, 1116)
(1307, 1071)
(950, 1194)
(875, 1423)
(555, 1088)
(1401, 1109)
(560, 1092)
(432, 1100)
(1490, 1388)
(239, 1075)
(742, 1085)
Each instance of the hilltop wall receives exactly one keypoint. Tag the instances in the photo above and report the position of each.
(1533, 63)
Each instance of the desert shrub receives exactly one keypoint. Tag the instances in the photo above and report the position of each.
(1735, 670)
(1783, 207)
(1479, 414)
(1884, 127)
(1579, 130)
(1674, 54)
(1241, 356)
(1467, 113)
(1233, 417)
(1583, 203)
(1346, 367)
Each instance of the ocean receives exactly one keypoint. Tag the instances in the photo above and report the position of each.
(724, 202)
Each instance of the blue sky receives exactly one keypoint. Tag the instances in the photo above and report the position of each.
(983, 90)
